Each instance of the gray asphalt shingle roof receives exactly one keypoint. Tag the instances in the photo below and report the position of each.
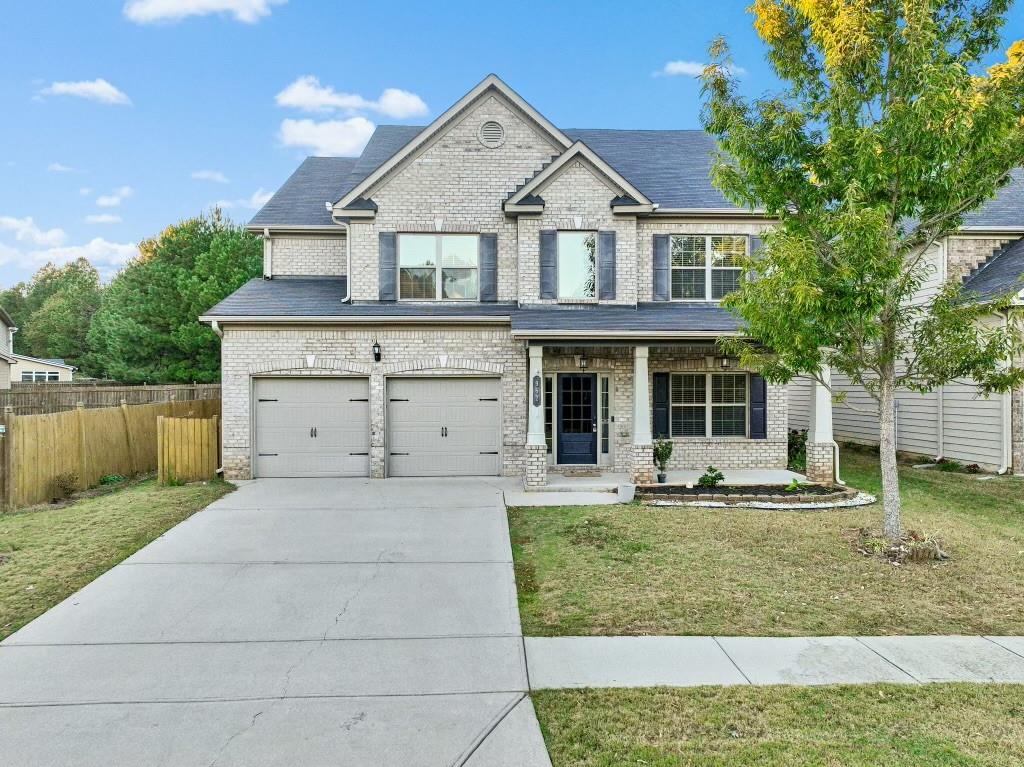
(322, 297)
(671, 167)
(1003, 274)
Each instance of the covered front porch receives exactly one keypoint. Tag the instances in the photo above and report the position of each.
(596, 408)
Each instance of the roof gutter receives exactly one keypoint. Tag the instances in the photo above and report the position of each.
(342, 319)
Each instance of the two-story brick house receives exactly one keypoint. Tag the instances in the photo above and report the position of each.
(491, 294)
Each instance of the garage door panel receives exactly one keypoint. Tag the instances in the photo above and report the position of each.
(466, 408)
(286, 411)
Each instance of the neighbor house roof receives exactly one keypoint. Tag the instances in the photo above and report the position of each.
(59, 363)
(1001, 275)
(6, 318)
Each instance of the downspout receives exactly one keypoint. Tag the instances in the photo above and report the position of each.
(348, 254)
(1007, 398)
(268, 254)
(215, 327)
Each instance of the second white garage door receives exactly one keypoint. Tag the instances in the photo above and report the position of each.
(444, 427)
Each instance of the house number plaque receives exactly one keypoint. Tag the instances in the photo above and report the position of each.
(536, 391)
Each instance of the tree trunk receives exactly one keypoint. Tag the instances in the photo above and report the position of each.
(892, 522)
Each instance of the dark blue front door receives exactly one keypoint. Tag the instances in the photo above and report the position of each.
(577, 418)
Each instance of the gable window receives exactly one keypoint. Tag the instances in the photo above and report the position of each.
(435, 267)
(577, 265)
(709, 404)
(706, 267)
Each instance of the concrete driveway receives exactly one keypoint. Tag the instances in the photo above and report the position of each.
(294, 622)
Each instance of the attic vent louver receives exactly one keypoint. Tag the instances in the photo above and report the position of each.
(492, 134)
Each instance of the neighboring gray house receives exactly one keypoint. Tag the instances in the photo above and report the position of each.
(492, 294)
(954, 421)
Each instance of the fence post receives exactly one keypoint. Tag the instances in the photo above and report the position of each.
(83, 454)
(161, 457)
(133, 465)
(7, 461)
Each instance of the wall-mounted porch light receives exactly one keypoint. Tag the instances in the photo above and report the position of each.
(583, 362)
(725, 363)
(376, 351)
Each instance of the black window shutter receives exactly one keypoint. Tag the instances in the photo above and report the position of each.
(661, 286)
(488, 267)
(755, 243)
(758, 407)
(548, 264)
(606, 260)
(387, 266)
(661, 405)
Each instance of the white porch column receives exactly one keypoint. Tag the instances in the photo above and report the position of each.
(536, 474)
(535, 428)
(821, 445)
(643, 449)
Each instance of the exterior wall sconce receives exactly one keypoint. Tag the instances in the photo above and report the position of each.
(583, 362)
(725, 363)
(376, 352)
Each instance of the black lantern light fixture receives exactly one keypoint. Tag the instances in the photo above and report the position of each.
(376, 351)
(583, 362)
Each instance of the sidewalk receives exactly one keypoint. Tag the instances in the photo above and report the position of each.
(682, 661)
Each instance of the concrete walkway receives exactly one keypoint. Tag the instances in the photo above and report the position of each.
(673, 661)
(314, 622)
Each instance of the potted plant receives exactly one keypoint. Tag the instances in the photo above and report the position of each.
(662, 452)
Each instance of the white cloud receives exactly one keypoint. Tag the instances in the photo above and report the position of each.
(151, 11)
(210, 175)
(690, 69)
(25, 230)
(56, 167)
(106, 256)
(115, 198)
(345, 138)
(307, 94)
(103, 218)
(93, 90)
(85, 191)
(255, 201)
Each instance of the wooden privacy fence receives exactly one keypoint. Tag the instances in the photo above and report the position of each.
(89, 444)
(39, 398)
(187, 449)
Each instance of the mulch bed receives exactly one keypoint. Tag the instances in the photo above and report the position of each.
(745, 493)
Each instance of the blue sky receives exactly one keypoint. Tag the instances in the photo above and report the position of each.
(123, 117)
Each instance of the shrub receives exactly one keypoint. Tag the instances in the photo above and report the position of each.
(65, 484)
(798, 450)
(711, 478)
(662, 453)
(111, 479)
(947, 464)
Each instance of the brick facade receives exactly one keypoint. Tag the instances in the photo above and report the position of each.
(965, 254)
(306, 256)
(820, 464)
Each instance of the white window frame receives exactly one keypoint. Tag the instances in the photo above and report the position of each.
(558, 266)
(709, 269)
(709, 405)
(439, 267)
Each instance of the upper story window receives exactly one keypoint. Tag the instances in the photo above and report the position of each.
(577, 265)
(706, 267)
(436, 267)
(696, 414)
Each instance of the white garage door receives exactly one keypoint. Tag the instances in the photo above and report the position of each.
(444, 427)
(312, 427)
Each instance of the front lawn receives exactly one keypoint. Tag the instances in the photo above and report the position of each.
(663, 570)
(892, 725)
(47, 554)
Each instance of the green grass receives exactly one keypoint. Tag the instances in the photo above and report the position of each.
(680, 570)
(892, 725)
(49, 553)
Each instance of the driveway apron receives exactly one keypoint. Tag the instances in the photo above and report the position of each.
(312, 622)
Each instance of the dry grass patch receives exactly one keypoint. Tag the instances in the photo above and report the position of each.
(893, 725)
(679, 570)
(48, 553)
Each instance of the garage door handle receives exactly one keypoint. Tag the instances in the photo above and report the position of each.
(358, 399)
(362, 454)
(397, 454)
(262, 455)
(261, 399)
(488, 452)
(488, 399)
(398, 400)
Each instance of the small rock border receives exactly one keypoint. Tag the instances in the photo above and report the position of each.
(745, 494)
(857, 499)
